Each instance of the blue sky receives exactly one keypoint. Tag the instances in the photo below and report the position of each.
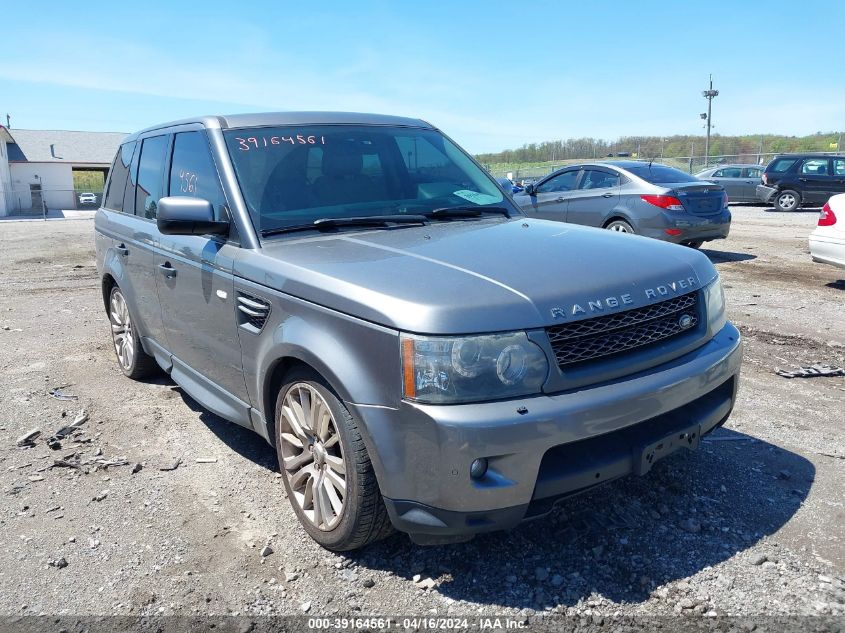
(491, 74)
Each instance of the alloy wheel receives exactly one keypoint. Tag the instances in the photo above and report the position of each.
(619, 227)
(787, 200)
(121, 330)
(312, 455)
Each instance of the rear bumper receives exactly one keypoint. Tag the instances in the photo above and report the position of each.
(827, 249)
(564, 444)
(765, 193)
(691, 227)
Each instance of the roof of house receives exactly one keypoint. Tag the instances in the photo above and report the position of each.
(64, 146)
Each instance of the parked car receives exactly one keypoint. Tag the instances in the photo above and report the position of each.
(509, 185)
(740, 181)
(806, 179)
(827, 242)
(87, 198)
(632, 197)
(359, 291)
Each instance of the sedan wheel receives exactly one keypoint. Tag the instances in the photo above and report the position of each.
(620, 226)
(312, 453)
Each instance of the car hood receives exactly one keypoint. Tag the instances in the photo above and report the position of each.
(477, 276)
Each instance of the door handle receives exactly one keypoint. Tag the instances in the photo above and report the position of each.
(560, 199)
(167, 270)
(803, 179)
(121, 249)
(607, 195)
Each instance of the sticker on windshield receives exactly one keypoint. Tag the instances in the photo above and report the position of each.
(476, 197)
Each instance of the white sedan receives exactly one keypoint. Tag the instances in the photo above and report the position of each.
(827, 242)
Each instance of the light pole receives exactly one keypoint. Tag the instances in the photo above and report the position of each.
(709, 95)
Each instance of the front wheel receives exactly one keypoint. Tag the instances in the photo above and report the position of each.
(787, 200)
(620, 226)
(327, 471)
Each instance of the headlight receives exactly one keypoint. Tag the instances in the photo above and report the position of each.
(455, 369)
(714, 297)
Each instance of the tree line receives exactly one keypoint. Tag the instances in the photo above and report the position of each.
(667, 147)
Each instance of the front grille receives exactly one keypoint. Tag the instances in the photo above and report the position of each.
(615, 333)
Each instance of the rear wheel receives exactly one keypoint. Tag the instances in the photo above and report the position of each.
(328, 475)
(787, 200)
(133, 360)
(620, 226)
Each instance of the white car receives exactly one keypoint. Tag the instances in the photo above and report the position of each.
(827, 242)
(87, 198)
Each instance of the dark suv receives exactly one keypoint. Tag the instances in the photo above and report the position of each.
(790, 181)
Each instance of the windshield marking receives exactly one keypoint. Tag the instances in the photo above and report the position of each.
(262, 141)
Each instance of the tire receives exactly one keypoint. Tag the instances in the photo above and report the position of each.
(787, 200)
(339, 518)
(133, 361)
(694, 243)
(620, 226)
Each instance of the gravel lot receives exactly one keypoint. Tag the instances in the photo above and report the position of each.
(750, 524)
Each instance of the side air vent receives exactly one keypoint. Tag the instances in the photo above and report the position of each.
(253, 312)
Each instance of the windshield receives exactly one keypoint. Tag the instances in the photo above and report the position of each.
(293, 176)
(660, 174)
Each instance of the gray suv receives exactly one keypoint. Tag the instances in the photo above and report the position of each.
(361, 293)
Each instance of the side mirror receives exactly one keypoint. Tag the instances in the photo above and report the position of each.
(183, 215)
(529, 189)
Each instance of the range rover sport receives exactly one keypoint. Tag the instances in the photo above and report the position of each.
(361, 293)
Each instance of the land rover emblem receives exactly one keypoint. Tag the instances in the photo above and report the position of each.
(685, 322)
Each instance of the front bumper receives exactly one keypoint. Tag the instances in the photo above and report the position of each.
(559, 445)
(765, 193)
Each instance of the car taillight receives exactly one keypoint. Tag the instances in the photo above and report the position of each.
(827, 217)
(765, 179)
(670, 203)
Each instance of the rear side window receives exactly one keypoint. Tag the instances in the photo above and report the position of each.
(595, 179)
(814, 167)
(117, 179)
(150, 176)
(660, 174)
(728, 172)
(839, 166)
(561, 182)
(781, 165)
(192, 172)
(752, 172)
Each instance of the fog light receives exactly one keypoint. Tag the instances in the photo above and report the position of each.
(478, 468)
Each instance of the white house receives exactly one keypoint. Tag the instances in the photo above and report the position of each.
(37, 166)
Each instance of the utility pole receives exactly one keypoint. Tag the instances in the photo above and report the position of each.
(709, 95)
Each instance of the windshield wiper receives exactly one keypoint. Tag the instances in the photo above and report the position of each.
(465, 212)
(324, 224)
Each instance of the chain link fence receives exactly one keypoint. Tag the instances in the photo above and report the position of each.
(689, 164)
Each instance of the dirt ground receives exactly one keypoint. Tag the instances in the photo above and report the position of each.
(750, 524)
